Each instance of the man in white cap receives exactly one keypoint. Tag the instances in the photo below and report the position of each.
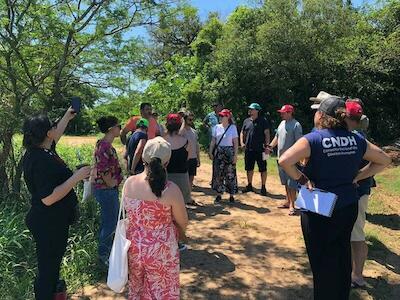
(317, 101)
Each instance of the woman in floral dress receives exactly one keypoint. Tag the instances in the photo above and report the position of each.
(157, 214)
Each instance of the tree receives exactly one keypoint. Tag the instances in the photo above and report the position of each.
(47, 50)
(286, 51)
(173, 35)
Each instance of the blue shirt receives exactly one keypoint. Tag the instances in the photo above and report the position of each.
(211, 119)
(364, 186)
(334, 162)
(131, 148)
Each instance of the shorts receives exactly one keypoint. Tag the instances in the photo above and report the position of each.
(250, 159)
(358, 234)
(192, 166)
(286, 179)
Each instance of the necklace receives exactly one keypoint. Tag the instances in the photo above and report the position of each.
(55, 156)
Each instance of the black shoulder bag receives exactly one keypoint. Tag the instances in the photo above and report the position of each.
(220, 140)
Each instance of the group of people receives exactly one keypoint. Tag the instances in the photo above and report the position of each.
(161, 164)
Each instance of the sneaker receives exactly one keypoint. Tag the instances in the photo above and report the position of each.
(217, 199)
(182, 246)
(231, 199)
(263, 191)
(248, 188)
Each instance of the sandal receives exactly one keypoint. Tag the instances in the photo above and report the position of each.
(292, 212)
(283, 206)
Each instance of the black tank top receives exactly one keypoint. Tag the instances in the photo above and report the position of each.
(178, 161)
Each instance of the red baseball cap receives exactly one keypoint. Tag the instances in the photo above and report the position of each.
(354, 109)
(287, 108)
(174, 118)
(225, 113)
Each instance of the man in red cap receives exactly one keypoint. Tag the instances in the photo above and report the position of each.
(359, 248)
(287, 134)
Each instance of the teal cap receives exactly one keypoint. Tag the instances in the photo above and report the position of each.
(255, 106)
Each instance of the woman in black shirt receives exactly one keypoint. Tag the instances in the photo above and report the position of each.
(50, 183)
(177, 167)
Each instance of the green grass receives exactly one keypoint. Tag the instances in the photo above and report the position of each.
(382, 233)
(16, 249)
(390, 181)
(388, 186)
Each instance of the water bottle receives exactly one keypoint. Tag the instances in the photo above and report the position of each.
(265, 156)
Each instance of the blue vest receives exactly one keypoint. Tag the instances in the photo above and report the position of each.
(335, 159)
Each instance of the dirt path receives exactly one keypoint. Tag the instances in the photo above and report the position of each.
(249, 250)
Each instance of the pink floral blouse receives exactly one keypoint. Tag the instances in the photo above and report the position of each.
(106, 159)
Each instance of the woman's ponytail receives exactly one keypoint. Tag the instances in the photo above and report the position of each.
(157, 176)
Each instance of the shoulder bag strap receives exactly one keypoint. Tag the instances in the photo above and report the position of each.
(220, 140)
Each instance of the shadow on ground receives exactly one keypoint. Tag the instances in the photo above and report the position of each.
(214, 276)
(212, 263)
(391, 221)
(203, 212)
(378, 288)
(383, 255)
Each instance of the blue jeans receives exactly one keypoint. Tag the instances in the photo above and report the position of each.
(109, 205)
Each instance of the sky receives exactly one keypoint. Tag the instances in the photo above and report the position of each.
(225, 7)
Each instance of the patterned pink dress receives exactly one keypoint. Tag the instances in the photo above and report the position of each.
(153, 256)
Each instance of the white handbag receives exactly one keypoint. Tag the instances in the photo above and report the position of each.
(118, 261)
(87, 189)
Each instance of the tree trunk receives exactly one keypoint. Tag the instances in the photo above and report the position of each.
(6, 140)
(17, 180)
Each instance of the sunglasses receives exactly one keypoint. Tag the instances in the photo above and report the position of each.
(190, 120)
(118, 125)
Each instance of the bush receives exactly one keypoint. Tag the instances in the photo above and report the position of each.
(16, 252)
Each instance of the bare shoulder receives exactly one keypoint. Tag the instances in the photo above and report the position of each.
(130, 183)
(172, 191)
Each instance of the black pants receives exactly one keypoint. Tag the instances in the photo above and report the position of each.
(329, 251)
(50, 233)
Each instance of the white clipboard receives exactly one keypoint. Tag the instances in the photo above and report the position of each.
(317, 201)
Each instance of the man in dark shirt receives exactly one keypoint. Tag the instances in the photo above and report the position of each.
(255, 136)
(135, 147)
